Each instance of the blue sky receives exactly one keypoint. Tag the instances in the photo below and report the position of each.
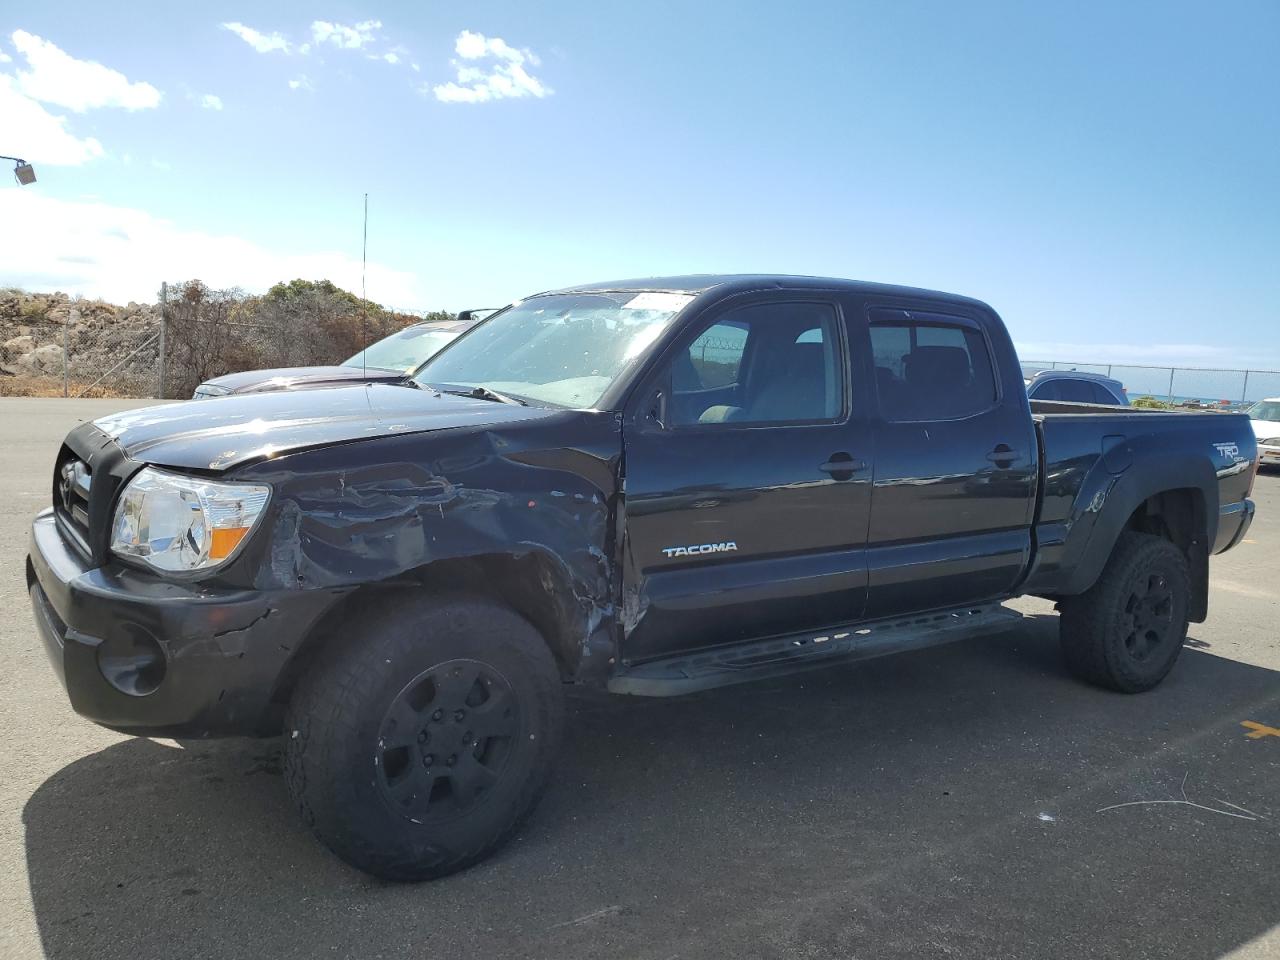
(1106, 175)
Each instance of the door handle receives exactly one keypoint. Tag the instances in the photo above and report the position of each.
(842, 466)
(1003, 455)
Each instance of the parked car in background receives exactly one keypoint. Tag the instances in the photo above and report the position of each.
(389, 360)
(477, 314)
(1076, 386)
(1265, 416)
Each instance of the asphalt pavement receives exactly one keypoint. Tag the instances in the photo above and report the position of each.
(966, 801)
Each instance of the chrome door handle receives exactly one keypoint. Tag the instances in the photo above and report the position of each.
(842, 466)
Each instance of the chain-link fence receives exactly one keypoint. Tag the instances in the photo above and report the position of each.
(1220, 387)
(57, 346)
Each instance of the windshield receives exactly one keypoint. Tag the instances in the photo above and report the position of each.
(563, 349)
(405, 350)
(1265, 410)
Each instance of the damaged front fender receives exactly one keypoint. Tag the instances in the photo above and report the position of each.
(521, 511)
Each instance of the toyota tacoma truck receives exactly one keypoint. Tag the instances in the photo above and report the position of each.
(655, 487)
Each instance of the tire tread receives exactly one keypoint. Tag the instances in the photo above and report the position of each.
(1086, 628)
(325, 712)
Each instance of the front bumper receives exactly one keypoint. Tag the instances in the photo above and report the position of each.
(148, 656)
(1268, 455)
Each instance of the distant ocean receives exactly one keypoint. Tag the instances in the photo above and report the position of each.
(1237, 387)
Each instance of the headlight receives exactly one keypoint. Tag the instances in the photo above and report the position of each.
(1270, 442)
(176, 523)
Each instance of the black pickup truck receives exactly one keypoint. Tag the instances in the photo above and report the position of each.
(655, 487)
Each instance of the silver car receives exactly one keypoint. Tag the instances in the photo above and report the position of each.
(1076, 386)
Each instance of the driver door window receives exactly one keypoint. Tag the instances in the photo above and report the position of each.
(766, 363)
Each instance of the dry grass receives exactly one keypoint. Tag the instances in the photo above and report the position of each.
(29, 386)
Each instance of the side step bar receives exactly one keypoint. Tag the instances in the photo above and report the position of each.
(779, 656)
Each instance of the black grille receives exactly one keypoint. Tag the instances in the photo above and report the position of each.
(71, 483)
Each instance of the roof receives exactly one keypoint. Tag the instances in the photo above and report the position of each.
(447, 326)
(741, 282)
(1073, 374)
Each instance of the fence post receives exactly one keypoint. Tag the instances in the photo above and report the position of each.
(164, 315)
(1172, 370)
(1244, 391)
(66, 359)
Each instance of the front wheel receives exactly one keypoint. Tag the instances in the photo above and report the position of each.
(414, 748)
(1127, 630)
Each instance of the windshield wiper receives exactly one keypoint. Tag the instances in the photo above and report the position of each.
(484, 393)
(410, 382)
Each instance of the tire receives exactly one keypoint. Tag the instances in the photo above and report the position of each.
(415, 747)
(1126, 631)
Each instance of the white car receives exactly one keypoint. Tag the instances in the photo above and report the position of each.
(1265, 416)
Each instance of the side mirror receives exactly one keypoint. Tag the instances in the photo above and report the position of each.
(655, 412)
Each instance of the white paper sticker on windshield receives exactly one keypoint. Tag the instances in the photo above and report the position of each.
(655, 300)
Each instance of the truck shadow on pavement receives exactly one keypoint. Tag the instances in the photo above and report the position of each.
(948, 801)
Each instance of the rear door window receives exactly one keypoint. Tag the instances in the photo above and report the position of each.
(930, 366)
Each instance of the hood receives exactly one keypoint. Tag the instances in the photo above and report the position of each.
(1265, 429)
(289, 378)
(224, 432)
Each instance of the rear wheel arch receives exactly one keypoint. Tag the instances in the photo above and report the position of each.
(1180, 516)
(1173, 498)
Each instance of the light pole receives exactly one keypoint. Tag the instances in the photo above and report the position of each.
(22, 171)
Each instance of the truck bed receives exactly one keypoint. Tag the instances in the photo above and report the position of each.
(1041, 408)
(1097, 457)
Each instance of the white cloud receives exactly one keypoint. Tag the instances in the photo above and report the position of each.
(54, 76)
(122, 254)
(502, 75)
(39, 135)
(300, 83)
(394, 56)
(5, 58)
(341, 36)
(211, 102)
(262, 42)
(345, 37)
(473, 46)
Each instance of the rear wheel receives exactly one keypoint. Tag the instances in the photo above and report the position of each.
(1126, 632)
(414, 748)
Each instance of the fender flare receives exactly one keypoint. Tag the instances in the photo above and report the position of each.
(1107, 501)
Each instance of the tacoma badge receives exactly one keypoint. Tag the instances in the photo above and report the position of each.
(697, 548)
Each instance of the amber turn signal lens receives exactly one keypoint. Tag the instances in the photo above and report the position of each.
(225, 540)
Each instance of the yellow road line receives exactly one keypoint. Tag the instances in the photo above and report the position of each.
(1259, 730)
